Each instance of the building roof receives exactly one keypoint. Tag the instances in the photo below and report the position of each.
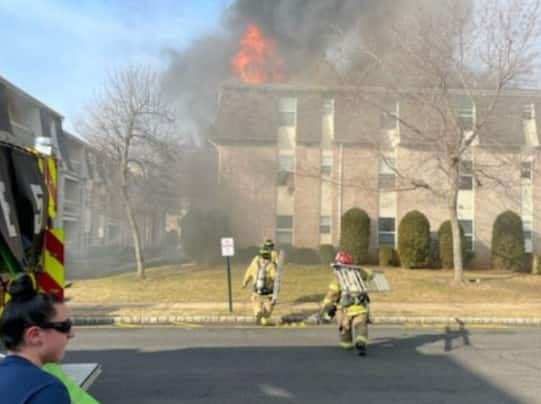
(33, 100)
(250, 113)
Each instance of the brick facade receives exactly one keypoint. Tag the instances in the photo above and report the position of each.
(248, 172)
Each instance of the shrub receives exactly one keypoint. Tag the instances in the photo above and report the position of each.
(508, 242)
(355, 234)
(327, 252)
(306, 256)
(445, 241)
(201, 234)
(414, 240)
(387, 256)
(434, 260)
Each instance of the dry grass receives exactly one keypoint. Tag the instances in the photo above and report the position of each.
(168, 285)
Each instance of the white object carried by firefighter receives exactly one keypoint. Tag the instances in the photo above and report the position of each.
(278, 277)
(351, 279)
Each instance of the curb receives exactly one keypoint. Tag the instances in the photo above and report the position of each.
(382, 320)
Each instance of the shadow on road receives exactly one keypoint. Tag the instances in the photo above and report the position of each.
(395, 370)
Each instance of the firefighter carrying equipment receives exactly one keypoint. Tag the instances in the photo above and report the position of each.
(262, 273)
(349, 299)
(343, 257)
(260, 286)
(265, 253)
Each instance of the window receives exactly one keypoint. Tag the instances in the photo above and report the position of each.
(387, 182)
(526, 170)
(466, 175)
(325, 225)
(386, 231)
(388, 119)
(528, 112)
(528, 235)
(286, 164)
(387, 165)
(466, 116)
(328, 106)
(284, 229)
(288, 112)
(326, 166)
(467, 226)
(387, 174)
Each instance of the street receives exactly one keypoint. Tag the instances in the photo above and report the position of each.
(194, 364)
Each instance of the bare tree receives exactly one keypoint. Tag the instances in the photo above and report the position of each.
(130, 124)
(463, 55)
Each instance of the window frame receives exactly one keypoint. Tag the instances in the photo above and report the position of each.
(385, 232)
(468, 236)
(287, 112)
(465, 181)
(323, 225)
(326, 166)
(282, 230)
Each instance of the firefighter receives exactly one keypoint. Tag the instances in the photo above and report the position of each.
(350, 309)
(261, 272)
(269, 244)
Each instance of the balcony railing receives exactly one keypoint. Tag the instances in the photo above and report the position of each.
(72, 207)
(24, 134)
(76, 167)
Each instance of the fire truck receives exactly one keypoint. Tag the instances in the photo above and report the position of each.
(30, 242)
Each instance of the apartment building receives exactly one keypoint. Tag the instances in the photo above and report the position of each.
(292, 159)
(83, 208)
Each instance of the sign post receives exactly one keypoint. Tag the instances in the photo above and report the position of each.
(228, 250)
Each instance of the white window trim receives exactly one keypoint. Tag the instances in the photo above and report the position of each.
(387, 232)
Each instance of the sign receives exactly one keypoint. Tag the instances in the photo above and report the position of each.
(228, 247)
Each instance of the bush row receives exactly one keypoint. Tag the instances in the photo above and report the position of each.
(201, 233)
(416, 248)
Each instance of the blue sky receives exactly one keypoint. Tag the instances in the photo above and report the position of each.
(60, 51)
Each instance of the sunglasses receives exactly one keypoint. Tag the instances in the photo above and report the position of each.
(60, 326)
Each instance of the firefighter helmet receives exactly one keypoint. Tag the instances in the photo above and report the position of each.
(268, 244)
(265, 253)
(343, 257)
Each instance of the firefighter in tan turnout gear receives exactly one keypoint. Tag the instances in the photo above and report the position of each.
(349, 305)
(261, 273)
(269, 244)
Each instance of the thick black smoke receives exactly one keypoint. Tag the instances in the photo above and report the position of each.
(303, 30)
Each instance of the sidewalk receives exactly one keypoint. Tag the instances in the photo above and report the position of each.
(299, 313)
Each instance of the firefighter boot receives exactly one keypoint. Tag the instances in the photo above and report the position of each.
(258, 318)
(361, 348)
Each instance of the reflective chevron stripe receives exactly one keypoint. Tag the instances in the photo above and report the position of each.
(51, 280)
(49, 171)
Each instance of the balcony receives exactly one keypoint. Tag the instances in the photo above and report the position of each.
(23, 134)
(76, 167)
(72, 208)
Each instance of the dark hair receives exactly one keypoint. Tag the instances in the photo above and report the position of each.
(26, 308)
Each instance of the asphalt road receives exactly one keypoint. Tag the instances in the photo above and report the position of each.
(302, 365)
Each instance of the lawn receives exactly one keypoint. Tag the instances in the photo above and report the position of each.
(193, 284)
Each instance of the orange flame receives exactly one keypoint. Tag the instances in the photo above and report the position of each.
(257, 61)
